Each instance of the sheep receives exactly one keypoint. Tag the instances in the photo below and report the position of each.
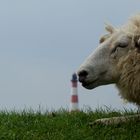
(116, 61)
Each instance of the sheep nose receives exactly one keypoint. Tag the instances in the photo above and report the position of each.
(82, 75)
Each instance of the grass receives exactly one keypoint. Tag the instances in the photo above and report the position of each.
(62, 125)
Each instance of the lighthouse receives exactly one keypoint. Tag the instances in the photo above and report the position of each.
(74, 93)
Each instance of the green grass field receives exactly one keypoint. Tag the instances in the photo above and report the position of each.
(62, 125)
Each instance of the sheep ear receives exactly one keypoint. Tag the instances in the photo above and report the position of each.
(110, 28)
(137, 44)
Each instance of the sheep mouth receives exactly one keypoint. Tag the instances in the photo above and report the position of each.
(91, 84)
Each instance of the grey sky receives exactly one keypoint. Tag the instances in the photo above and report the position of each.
(42, 42)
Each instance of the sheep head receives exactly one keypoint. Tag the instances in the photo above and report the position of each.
(100, 68)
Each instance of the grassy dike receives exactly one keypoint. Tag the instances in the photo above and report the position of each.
(62, 125)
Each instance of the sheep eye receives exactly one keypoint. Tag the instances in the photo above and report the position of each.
(122, 44)
(119, 45)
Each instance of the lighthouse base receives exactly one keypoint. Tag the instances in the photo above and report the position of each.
(74, 107)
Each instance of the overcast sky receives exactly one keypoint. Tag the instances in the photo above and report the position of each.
(42, 42)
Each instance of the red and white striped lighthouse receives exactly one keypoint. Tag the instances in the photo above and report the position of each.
(74, 94)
